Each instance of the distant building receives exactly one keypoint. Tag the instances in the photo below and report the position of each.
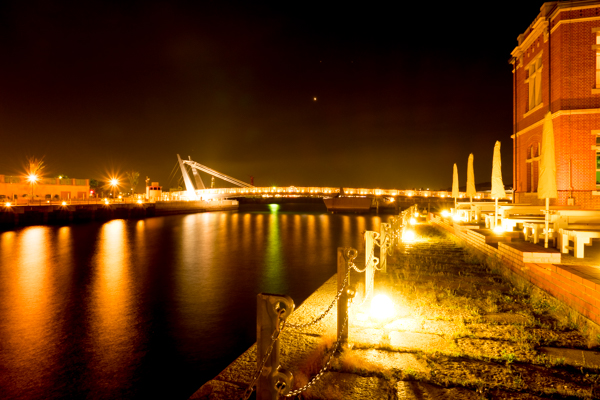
(153, 192)
(556, 68)
(18, 188)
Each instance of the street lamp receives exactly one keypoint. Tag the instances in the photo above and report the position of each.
(114, 182)
(32, 178)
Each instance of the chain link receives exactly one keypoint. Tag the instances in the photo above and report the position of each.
(320, 317)
(322, 371)
(258, 371)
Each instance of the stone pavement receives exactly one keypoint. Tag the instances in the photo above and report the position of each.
(460, 329)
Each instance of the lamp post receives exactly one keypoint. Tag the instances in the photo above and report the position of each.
(114, 182)
(32, 178)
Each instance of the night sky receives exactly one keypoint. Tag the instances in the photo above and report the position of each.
(402, 92)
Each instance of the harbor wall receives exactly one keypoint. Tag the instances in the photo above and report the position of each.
(13, 216)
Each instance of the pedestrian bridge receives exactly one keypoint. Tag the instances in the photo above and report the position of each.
(199, 192)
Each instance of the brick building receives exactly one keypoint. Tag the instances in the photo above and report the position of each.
(556, 68)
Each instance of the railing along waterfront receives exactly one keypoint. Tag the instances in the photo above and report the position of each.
(272, 380)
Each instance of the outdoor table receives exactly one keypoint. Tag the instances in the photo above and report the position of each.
(579, 237)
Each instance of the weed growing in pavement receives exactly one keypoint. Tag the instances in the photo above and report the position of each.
(509, 358)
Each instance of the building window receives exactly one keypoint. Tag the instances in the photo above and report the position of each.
(534, 79)
(533, 158)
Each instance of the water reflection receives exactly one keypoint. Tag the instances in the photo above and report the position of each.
(113, 327)
(151, 308)
(33, 335)
(274, 281)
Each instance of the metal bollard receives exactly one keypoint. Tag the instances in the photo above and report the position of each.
(343, 259)
(271, 310)
(385, 243)
(370, 237)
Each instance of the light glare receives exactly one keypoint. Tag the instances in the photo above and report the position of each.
(408, 235)
(382, 307)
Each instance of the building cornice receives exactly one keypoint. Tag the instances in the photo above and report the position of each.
(570, 21)
(557, 114)
(539, 26)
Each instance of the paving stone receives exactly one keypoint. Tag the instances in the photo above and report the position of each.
(344, 386)
(446, 328)
(413, 390)
(417, 341)
(494, 349)
(391, 360)
(573, 357)
(507, 318)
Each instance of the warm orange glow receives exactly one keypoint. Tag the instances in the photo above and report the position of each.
(32, 178)
(114, 182)
(408, 235)
(382, 307)
(112, 323)
(64, 203)
(7, 204)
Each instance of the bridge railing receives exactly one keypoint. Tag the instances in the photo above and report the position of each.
(286, 191)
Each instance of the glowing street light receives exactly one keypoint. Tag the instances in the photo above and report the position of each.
(408, 235)
(114, 182)
(32, 178)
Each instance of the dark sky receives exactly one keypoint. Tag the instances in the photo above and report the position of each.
(403, 92)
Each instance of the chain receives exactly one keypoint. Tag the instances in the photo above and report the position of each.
(320, 317)
(371, 259)
(322, 371)
(258, 371)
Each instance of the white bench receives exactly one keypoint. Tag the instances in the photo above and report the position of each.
(536, 229)
(509, 223)
(580, 237)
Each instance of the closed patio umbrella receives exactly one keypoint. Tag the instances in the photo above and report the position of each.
(470, 179)
(547, 176)
(497, 184)
(455, 185)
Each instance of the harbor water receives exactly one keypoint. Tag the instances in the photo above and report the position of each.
(153, 307)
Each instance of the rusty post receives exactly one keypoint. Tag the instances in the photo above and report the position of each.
(271, 310)
(342, 305)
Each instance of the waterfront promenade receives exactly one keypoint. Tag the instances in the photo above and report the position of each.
(464, 327)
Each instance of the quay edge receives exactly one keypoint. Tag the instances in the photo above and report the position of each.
(11, 217)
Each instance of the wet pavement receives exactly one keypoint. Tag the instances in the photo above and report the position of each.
(459, 329)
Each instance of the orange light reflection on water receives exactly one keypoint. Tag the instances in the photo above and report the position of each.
(33, 337)
(113, 311)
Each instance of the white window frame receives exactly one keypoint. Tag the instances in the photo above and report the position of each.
(534, 80)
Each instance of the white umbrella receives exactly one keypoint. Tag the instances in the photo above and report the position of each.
(470, 179)
(455, 185)
(547, 177)
(497, 184)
